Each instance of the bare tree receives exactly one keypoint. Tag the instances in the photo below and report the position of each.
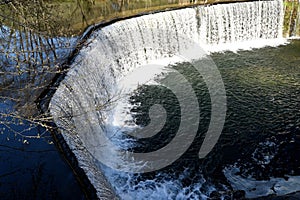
(32, 48)
(35, 40)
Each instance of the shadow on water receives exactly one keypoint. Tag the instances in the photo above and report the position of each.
(261, 136)
(261, 90)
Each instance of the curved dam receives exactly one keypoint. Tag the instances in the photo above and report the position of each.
(91, 105)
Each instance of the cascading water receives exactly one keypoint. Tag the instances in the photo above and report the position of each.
(84, 105)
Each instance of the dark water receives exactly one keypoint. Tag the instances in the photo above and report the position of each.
(263, 91)
(32, 168)
(261, 135)
(263, 99)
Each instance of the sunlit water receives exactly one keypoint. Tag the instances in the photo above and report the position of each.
(83, 104)
(260, 139)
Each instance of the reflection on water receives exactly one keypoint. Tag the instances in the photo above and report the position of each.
(31, 168)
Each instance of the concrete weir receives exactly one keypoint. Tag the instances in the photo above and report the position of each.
(80, 105)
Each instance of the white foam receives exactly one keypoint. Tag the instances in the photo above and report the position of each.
(111, 63)
(247, 45)
(259, 188)
(157, 188)
(126, 85)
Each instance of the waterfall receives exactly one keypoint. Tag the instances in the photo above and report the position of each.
(82, 105)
